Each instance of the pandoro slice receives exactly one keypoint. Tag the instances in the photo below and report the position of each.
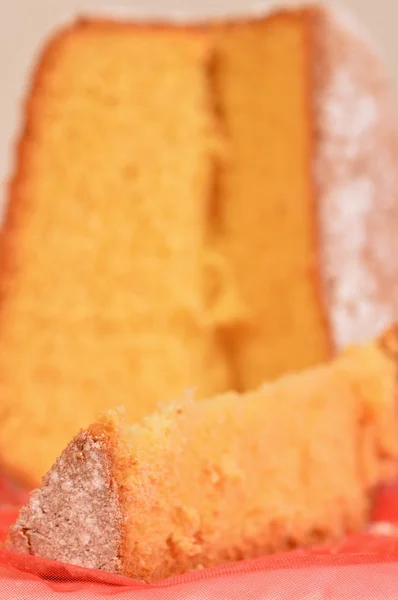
(232, 477)
(309, 194)
(208, 205)
(102, 278)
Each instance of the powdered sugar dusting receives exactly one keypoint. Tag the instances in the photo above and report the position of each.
(349, 120)
(356, 172)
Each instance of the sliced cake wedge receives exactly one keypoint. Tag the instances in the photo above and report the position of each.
(232, 477)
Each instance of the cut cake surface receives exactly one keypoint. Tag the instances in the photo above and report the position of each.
(293, 463)
(200, 207)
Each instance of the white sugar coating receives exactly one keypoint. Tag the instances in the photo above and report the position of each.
(356, 172)
(352, 119)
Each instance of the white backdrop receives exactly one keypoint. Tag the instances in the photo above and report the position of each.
(24, 24)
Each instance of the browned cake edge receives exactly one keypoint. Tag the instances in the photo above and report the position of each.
(76, 516)
(17, 207)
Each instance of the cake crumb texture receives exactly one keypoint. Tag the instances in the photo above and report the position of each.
(103, 295)
(198, 484)
(194, 209)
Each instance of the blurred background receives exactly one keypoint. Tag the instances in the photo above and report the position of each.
(24, 24)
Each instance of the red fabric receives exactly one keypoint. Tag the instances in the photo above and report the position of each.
(361, 567)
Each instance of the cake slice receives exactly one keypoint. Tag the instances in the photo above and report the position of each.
(102, 278)
(309, 193)
(198, 484)
(207, 205)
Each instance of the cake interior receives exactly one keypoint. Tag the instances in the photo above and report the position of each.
(162, 229)
(267, 196)
(198, 484)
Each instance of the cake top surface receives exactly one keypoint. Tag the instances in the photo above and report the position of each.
(174, 13)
